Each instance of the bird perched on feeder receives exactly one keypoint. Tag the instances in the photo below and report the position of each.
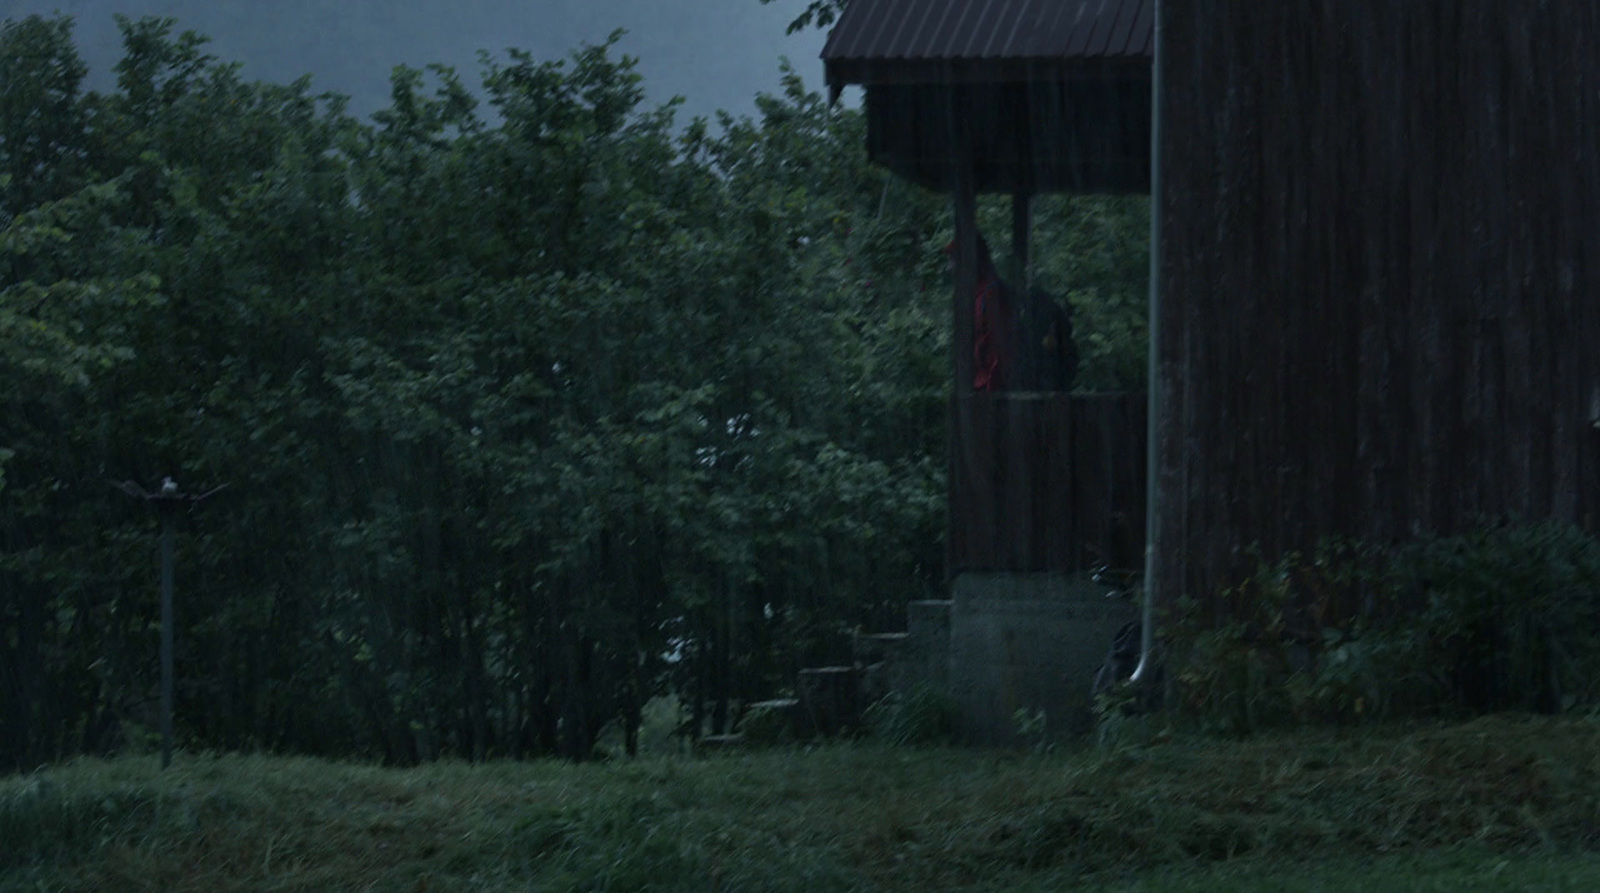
(167, 492)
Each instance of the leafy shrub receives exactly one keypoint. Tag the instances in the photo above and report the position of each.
(1233, 676)
(1503, 617)
(1361, 674)
(1511, 619)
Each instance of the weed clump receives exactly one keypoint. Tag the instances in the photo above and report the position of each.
(1502, 618)
(919, 715)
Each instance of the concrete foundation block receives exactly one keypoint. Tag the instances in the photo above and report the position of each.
(1028, 642)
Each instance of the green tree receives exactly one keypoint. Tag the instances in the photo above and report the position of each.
(528, 413)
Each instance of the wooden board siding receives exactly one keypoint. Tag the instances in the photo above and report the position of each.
(1047, 482)
(1086, 134)
(1381, 273)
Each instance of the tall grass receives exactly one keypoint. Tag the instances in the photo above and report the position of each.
(845, 817)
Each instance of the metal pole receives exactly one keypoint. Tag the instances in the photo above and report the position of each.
(966, 278)
(1152, 521)
(167, 498)
(166, 634)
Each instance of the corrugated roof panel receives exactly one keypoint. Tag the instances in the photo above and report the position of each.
(1055, 18)
(1111, 14)
(1076, 39)
(899, 32)
(1110, 22)
(962, 41)
(1122, 34)
(848, 42)
(923, 33)
(959, 30)
(995, 36)
(1026, 22)
(1142, 39)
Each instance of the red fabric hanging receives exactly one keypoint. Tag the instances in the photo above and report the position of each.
(993, 324)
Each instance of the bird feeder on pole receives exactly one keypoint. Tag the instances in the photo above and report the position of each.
(167, 498)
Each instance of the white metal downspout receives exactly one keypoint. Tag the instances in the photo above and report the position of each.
(1152, 501)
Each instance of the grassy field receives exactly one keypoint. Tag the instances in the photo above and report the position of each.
(1503, 803)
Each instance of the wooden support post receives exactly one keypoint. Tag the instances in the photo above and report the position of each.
(966, 274)
(958, 464)
(1021, 235)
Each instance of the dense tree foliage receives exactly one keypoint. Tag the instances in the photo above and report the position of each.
(527, 414)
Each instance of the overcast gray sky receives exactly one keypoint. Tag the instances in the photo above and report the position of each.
(714, 53)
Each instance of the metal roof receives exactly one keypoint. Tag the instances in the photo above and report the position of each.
(904, 41)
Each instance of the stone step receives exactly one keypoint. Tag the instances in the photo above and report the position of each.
(875, 648)
(774, 722)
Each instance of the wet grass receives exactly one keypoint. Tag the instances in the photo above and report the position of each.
(1497, 803)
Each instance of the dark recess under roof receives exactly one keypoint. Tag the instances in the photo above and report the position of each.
(1030, 95)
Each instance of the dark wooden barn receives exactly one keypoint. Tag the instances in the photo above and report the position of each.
(1381, 273)
(1380, 311)
(1017, 97)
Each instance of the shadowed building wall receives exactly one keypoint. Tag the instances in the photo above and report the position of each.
(1380, 274)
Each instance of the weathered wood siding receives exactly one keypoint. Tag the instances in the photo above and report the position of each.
(1086, 134)
(1047, 482)
(1381, 272)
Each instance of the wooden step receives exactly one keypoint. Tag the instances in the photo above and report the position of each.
(774, 722)
(875, 648)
